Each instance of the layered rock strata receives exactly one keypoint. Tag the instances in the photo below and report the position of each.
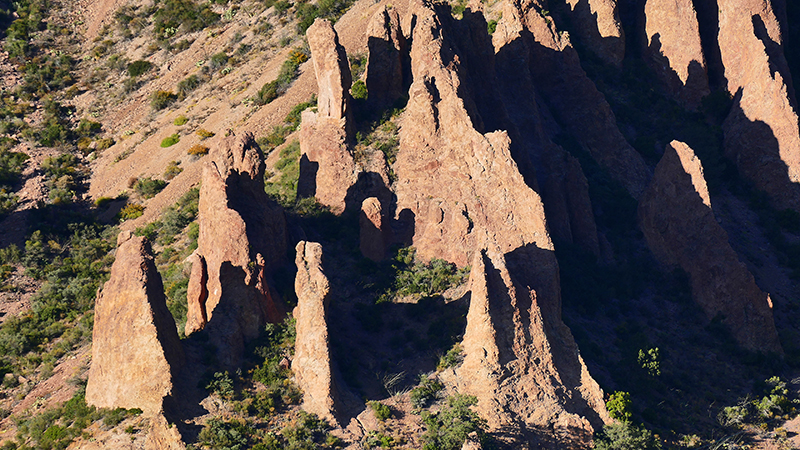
(136, 352)
(598, 26)
(675, 51)
(327, 169)
(242, 237)
(761, 133)
(678, 222)
(312, 359)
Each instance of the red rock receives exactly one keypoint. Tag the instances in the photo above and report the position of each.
(387, 51)
(196, 295)
(597, 24)
(373, 230)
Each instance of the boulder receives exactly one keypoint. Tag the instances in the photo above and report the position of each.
(678, 221)
(312, 358)
(136, 352)
(598, 26)
(373, 230)
(674, 50)
(242, 238)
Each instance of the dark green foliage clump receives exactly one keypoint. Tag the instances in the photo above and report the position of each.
(359, 90)
(331, 10)
(162, 99)
(452, 358)
(382, 411)
(11, 165)
(426, 392)
(417, 278)
(275, 344)
(289, 72)
(284, 189)
(229, 435)
(187, 85)
(175, 16)
(140, 67)
(773, 403)
(170, 140)
(449, 428)
(626, 436)
(218, 61)
(148, 187)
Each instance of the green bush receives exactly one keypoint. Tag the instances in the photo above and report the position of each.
(172, 170)
(289, 72)
(173, 16)
(452, 358)
(221, 385)
(491, 26)
(359, 90)
(227, 435)
(218, 61)
(382, 412)
(187, 85)
(131, 211)
(426, 392)
(619, 406)
(148, 187)
(426, 279)
(8, 201)
(284, 189)
(625, 436)
(448, 429)
(11, 165)
(170, 140)
(140, 67)
(180, 120)
(89, 128)
(162, 99)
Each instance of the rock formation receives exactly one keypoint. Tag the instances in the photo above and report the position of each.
(242, 237)
(163, 436)
(373, 230)
(761, 133)
(598, 26)
(312, 361)
(327, 169)
(466, 193)
(136, 351)
(387, 54)
(678, 222)
(571, 96)
(674, 49)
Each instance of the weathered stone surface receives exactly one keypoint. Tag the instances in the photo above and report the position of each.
(242, 237)
(598, 26)
(571, 96)
(196, 295)
(387, 52)
(373, 230)
(678, 222)
(312, 360)
(761, 133)
(333, 71)
(674, 49)
(327, 169)
(136, 351)
(163, 436)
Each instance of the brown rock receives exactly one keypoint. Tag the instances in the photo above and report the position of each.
(678, 222)
(674, 49)
(163, 436)
(573, 98)
(373, 230)
(196, 295)
(327, 169)
(136, 351)
(387, 51)
(312, 361)
(761, 132)
(242, 237)
(598, 26)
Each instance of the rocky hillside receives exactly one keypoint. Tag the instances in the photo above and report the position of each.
(523, 224)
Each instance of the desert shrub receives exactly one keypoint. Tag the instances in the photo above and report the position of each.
(376, 439)
(172, 170)
(204, 134)
(266, 94)
(8, 201)
(452, 358)
(449, 428)
(104, 144)
(131, 211)
(180, 120)
(173, 16)
(231, 435)
(283, 187)
(170, 140)
(187, 85)
(382, 411)
(289, 71)
(309, 432)
(649, 361)
(417, 278)
(426, 392)
(619, 406)
(358, 64)
(773, 403)
(625, 436)
(11, 165)
(148, 187)
(140, 67)
(491, 26)
(197, 150)
(275, 344)
(218, 61)
(221, 385)
(162, 99)
(88, 127)
(359, 90)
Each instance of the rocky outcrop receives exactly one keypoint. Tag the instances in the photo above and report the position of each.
(312, 359)
(163, 436)
(678, 222)
(242, 237)
(598, 26)
(373, 230)
(761, 133)
(466, 193)
(571, 96)
(327, 169)
(136, 351)
(674, 49)
(388, 52)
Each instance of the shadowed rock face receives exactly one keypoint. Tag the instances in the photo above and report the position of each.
(373, 232)
(761, 132)
(242, 237)
(678, 222)
(598, 26)
(387, 53)
(674, 49)
(327, 169)
(312, 359)
(136, 351)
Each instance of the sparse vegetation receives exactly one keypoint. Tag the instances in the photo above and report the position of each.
(449, 428)
(382, 412)
(426, 392)
(148, 187)
(162, 99)
(288, 73)
(417, 278)
(180, 120)
(197, 150)
(138, 68)
(170, 140)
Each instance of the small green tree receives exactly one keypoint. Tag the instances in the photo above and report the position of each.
(619, 406)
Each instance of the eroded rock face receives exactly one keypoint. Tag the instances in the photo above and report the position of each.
(242, 237)
(571, 96)
(598, 26)
(761, 132)
(327, 169)
(678, 222)
(373, 230)
(136, 351)
(312, 360)
(674, 49)
(196, 295)
(387, 52)
(163, 436)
